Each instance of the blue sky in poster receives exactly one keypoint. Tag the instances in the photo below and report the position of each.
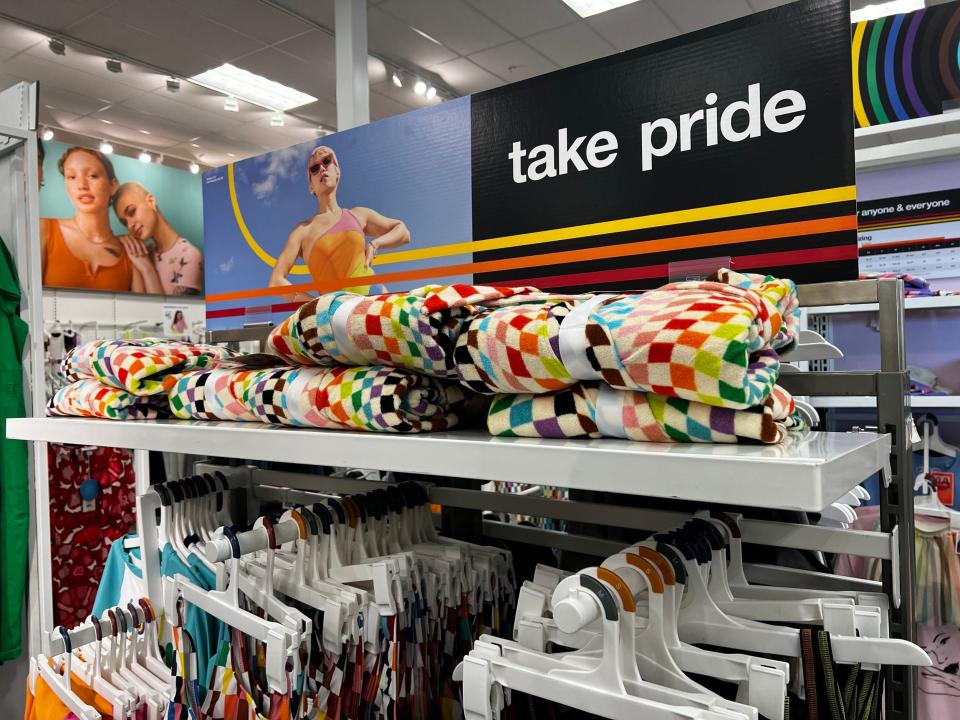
(177, 191)
(415, 167)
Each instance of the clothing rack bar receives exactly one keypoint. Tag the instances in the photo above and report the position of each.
(219, 549)
(86, 633)
(284, 487)
(846, 292)
(551, 539)
(818, 384)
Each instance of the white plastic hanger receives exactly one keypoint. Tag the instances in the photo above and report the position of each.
(933, 443)
(60, 685)
(928, 502)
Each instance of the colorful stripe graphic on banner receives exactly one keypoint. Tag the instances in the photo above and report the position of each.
(906, 66)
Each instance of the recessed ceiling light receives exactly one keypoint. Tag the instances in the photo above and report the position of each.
(144, 156)
(114, 65)
(57, 46)
(106, 148)
(194, 168)
(420, 88)
(146, 132)
(878, 10)
(46, 135)
(231, 80)
(586, 8)
(431, 92)
(397, 81)
(230, 104)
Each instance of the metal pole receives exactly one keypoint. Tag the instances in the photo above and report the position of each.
(147, 504)
(353, 85)
(896, 501)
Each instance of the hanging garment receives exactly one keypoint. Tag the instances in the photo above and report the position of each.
(834, 692)
(595, 410)
(92, 504)
(416, 330)
(14, 484)
(713, 342)
(138, 366)
(91, 398)
(375, 399)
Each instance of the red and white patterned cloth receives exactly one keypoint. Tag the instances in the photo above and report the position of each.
(80, 535)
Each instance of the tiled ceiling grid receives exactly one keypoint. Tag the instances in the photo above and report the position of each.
(471, 45)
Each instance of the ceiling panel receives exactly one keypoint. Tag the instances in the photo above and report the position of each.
(168, 52)
(135, 138)
(465, 76)
(322, 112)
(631, 26)
(54, 116)
(65, 100)
(154, 124)
(319, 11)
(201, 120)
(527, 17)
(382, 106)
(15, 38)
(250, 17)
(571, 44)
(164, 18)
(315, 47)
(395, 39)
(57, 75)
(133, 76)
(405, 96)
(320, 82)
(513, 61)
(452, 22)
(759, 5)
(55, 14)
(692, 15)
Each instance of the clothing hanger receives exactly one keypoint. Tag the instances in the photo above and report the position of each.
(74, 666)
(935, 443)
(928, 502)
(60, 686)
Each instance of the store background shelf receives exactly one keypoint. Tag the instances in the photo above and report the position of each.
(805, 473)
(920, 401)
(939, 302)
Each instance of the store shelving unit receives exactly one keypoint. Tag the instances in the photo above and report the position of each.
(931, 402)
(806, 473)
(908, 141)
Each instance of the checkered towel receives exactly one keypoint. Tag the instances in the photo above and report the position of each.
(415, 330)
(592, 409)
(91, 398)
(374, 399)
(713, 342)
(141, 367)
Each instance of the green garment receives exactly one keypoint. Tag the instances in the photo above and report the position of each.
(14, 485)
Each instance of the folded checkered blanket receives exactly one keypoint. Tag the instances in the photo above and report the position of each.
(140, 367)
(374, 399)
(415, 330)
(713, 342)
(91, 398)
(594, 409)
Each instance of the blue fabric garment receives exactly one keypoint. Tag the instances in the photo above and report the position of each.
(120, 563)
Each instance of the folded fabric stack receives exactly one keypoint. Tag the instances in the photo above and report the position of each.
(691, 361)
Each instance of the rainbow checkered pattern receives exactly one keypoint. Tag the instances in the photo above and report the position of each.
(141, 367)
(573, 413)
(91, 398)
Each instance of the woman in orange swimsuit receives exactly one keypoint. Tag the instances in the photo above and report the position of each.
(333, 242)
(82, 251)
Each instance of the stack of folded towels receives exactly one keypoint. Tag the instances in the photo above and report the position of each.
(692, 361)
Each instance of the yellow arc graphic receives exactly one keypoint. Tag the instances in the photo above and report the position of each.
(248, 236)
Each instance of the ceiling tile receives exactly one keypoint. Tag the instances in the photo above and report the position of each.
(634, 25)
(54, 116)
(16, 38)
(315, 47)
(165, 19)
(64, 100)
(54, 14)
(319, 11)
(692, 15)
(513, 61)
(288, 70)
(135, 76)
(387, 35)
(759, 5)
(405, 96)
(61, 76)
(322, 112)
(452, 22)
(204, 120)
(382, 106)
(465, 76)
(166, 52)
(571, 44)
(250, 17)
(153, 124)
(527, 17)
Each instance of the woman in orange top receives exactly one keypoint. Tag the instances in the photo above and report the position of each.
(82, 251)
(333, 242)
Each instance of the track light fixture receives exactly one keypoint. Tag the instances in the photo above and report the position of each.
(420, 88)
(106, 148)
(431, 92)
(397, 81)
(114, 65)
(173, 85)
(46, 135)
(57, 46)
(144, 156)
(194, 168)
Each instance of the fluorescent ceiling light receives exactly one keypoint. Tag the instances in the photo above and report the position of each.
(586, 8)
(878, 10)
(236, 82)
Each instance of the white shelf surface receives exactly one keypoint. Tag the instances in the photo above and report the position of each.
(938, 302)
(807, 473)
(863, 401)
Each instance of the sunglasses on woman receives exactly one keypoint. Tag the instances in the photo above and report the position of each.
(325, 163)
